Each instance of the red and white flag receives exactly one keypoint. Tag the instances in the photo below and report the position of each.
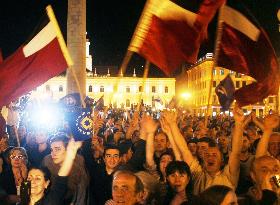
(168, 35)
(245, 48)
(42, 58)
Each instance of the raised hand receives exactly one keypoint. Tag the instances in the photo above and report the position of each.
(238, 115)
(148, 125)
(72, 148)
(271, 121)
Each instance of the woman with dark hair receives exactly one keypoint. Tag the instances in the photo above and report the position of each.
(39, 179)
(218, 195)
(179, 181)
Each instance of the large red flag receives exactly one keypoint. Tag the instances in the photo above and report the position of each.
(42, 58)
(245, 48)
(168, 35)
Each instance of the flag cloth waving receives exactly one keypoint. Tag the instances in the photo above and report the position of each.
(168, 35)
(42, 58)
(245, 48)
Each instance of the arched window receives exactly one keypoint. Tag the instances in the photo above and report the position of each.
(101, 89)
(90, 88)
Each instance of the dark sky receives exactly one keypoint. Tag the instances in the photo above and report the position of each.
(110, 25)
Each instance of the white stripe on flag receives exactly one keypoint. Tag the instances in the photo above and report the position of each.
(171, 11)
(238, 21)
(165, 10)
(43, 38)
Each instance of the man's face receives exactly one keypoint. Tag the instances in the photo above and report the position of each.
(223, 141)
(178, 181)
(212, 160)
(193, 148)
(112, 158)
(58, 152)
(274, 145)
(160, 142)
(201, 148)
(245, 144)
(123, 190)
(188, 133)
(265, 167)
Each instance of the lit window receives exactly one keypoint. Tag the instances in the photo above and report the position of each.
(153, 89)
(90, 88)
(60, 88)
(237, 84)
(128, 89)
(214, 71)
(270, 99)
(214, 84)
(166, 89)
(101, 89)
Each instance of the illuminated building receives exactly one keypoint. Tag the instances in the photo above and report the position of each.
(120, 91)
(197, 82)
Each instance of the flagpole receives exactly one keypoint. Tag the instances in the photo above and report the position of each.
(64, 49)
(216, 55)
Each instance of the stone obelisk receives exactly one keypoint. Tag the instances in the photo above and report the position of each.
(76, 43)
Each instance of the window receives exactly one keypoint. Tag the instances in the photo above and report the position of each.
(270, 99)
(127, 89)
(101, 89)
(60, 88)
(127, 103)
(238, 75)
(214, 84)
(48, 88)
(90, 88)
(214, 71)
(222, 72)
(140, 89)
(166, 89)
(153, 89)
(243, 83)
(237, 84)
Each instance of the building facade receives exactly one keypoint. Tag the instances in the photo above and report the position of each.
(198, 79)
(121, 92)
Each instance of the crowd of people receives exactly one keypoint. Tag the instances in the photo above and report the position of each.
(136, 158)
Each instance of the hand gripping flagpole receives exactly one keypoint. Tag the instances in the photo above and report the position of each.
(216, 55)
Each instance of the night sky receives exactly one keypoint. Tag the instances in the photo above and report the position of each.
(110, 25)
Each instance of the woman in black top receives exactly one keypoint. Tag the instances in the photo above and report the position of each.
(39, 179)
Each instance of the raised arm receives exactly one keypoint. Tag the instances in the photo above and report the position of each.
(165, 128)
(148, 128)
(170, 117)
(70, 155)
(257, 122)
(234, 157)
(270, 122)
(133, 125)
